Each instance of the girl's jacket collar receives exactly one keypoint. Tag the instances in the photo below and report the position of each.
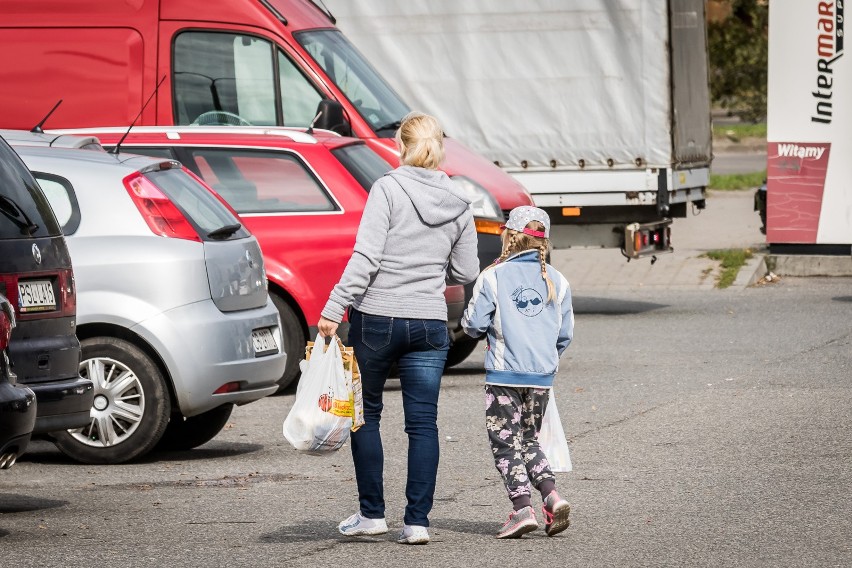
(530, 255)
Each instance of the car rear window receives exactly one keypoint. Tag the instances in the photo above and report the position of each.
(24, 210)
(201, 208)
(365, 165)
(260, 181)
(63, 199)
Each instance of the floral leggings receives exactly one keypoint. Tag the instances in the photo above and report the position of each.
(513, 418)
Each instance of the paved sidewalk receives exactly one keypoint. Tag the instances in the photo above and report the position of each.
(728, 221)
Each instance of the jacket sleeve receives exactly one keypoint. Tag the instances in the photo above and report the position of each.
(464, 258)
(479, 314)
(566, 331)
(366, 256)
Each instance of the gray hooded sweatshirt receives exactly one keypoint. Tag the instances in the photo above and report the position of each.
(416, 234)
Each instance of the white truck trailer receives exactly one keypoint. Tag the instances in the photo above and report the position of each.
(600, 108)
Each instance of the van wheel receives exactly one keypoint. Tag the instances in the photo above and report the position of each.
(131, 407)
(187, 433)
(460, 351)
(294, 341)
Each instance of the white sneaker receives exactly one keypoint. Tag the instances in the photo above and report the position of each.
(359, 525)
(413, 534)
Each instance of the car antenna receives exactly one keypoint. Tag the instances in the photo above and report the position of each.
(37, 128)
(310, 129)
(132, 124)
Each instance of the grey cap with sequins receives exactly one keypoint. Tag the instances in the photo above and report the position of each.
(521, 216)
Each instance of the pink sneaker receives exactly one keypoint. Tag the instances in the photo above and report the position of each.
(556, 511)
(519, 523)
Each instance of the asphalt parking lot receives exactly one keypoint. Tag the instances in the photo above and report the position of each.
(707, 428)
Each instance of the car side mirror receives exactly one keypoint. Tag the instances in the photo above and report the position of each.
(330, 116)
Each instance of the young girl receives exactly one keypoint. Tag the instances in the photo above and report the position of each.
(524, 306)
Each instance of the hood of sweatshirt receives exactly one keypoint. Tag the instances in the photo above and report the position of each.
(434, 195)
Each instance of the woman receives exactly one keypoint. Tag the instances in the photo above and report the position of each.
(417, 233)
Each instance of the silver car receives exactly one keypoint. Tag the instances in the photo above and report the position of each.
(173, 313)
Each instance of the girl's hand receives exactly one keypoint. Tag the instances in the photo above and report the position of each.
(327, 328)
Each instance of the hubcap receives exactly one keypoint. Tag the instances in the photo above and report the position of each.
(119, 403)
(101, 402)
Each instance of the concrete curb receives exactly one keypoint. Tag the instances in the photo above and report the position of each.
(809, 265)
(753, 270)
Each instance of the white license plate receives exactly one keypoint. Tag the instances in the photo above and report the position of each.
(36, 296)
(264, 342)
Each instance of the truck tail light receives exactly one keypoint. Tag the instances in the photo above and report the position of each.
(162, 216)
(648, 239)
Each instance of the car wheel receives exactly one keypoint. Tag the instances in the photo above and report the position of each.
(294, 341)
(187, 433)
(131, 407)
(460, 351)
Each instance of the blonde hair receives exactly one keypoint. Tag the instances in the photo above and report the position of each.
(516, 241)
(420, 141)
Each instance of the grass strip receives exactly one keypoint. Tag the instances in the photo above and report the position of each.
(732, 260)
(737, 132)
(729, 182)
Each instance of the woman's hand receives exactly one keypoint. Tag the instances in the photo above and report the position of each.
(327, 328)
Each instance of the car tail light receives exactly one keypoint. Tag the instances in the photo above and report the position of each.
(67, 292)
(7, 322)
(228, 387)
(162, 216)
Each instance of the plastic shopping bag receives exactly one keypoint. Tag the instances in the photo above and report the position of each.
(552, 440)
(321, 417)
(353, 381)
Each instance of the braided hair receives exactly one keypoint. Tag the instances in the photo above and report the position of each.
(516, 241)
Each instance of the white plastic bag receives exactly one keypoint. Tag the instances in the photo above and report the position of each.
(353, 380)
(321, 417)
(552, 440)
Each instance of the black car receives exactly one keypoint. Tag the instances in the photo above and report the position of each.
(17, 402)
(36, 276)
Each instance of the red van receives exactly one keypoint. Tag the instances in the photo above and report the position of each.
(234, 62)
(301, 195)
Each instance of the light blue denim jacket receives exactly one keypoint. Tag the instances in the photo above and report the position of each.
(526, 334)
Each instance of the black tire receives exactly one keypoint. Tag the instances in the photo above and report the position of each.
(187, 433)
(148, 392)
(294, 341)
(460, 351)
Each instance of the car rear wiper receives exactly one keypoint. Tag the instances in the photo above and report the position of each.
(14, 212)
(224, 232)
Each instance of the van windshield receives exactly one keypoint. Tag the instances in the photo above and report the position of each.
(375, 100)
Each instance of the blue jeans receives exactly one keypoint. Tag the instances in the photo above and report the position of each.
(419, 349)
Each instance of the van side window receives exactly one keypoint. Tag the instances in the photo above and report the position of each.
(258, 181)
(299, 98)
(223, 78)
